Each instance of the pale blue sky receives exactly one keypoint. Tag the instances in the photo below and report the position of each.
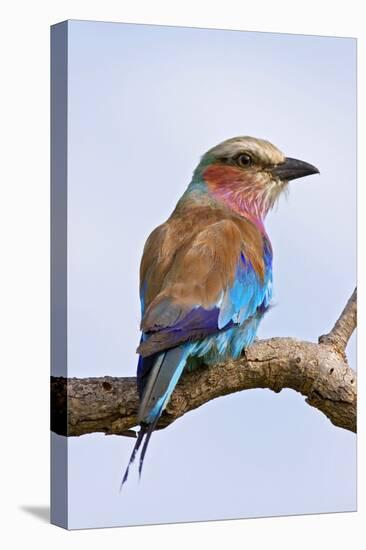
(145, 102)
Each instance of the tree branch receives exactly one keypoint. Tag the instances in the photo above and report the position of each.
(320, 372)
(342, 331)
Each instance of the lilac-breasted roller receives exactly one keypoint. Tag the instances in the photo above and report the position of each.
(206, 273)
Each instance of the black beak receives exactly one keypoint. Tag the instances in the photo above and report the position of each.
(291, 169)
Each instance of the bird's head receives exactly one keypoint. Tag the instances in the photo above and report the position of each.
(249, 174)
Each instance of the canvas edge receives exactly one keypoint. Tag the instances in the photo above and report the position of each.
(59, 111)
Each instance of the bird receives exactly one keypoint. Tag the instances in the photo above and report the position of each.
(206, 273)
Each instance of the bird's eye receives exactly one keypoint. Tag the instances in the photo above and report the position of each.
(244, 160)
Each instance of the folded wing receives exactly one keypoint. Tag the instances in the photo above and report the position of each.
(216, 278)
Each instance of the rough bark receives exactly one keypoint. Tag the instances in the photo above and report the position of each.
(319, 371)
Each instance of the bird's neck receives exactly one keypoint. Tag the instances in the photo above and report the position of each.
(224, 185)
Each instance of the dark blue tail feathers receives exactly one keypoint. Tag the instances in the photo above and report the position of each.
(160, 379)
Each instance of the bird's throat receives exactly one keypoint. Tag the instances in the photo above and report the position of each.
(244, 194)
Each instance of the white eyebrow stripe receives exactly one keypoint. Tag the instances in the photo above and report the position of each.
(261, 149)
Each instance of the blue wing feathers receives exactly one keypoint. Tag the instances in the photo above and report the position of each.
(247, 295)
(248, 292)
(225, 328)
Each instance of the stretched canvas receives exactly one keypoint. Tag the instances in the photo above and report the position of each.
(203, 274)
